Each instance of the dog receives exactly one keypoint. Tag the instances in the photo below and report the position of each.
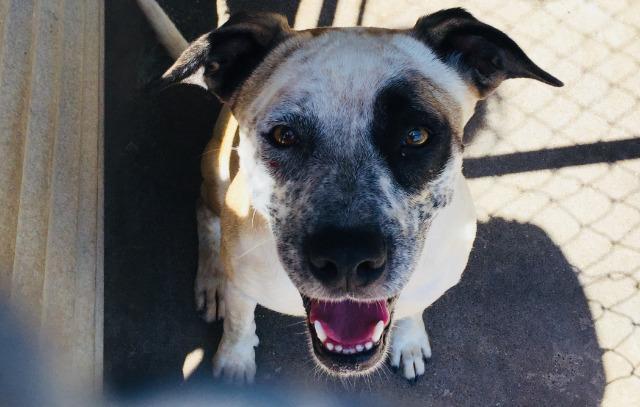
(333, 185)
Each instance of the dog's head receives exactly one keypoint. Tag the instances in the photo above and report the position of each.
(350, 142)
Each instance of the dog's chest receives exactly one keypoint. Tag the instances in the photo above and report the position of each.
(258, 273)
(445, 254)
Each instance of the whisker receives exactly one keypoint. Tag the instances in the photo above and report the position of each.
(213, 150)
(253, 217)
(254, 248)
(296, 323)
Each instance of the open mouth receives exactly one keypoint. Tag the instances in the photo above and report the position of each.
(349, 337)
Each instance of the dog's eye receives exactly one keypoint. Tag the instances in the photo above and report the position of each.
(283, 136)
(416, 137)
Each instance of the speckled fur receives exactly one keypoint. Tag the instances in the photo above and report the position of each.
(338, 86)
(344, 180)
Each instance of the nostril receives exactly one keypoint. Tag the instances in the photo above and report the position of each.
(323, 269)
(318, 262)
(346, 257)
(379, 261)
(369, 271)
(366, 266)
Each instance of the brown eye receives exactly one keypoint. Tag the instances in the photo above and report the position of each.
(416, 137)
(283, 136)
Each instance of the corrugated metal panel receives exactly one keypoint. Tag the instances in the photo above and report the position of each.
(51, 62)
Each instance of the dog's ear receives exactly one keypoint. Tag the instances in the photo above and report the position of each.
(223, 59)
(484, 55)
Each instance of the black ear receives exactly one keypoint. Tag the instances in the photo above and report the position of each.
(223, 59)
(484, 55)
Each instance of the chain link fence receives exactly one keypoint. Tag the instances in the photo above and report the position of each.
(589, 207)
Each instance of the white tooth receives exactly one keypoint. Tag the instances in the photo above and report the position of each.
(320, 331)
(338, 348)
(368, 345)
(329, 345)
(359, 348)
(377, 331)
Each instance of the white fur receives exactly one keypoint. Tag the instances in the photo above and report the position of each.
(259, 275)
(445, 254)
(327, 73)
(259, 182)
(322, 70)
(197, 78)
(260, 278)
(410, 346)
(396, 208)
(330, 68)
(235, 357)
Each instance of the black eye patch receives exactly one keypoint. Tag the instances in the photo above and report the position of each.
(400, 107)
(286, 163)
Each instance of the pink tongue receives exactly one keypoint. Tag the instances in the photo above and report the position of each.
(348, 322)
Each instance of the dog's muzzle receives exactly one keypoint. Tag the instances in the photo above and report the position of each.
(349, 337)
(349, 327)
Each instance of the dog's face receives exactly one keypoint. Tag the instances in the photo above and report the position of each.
(350, 142)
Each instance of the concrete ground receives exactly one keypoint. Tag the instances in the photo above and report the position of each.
(548, 311)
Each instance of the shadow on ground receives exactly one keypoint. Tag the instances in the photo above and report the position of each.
(516, 330)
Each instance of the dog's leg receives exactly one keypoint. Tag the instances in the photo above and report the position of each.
(209, 286)
(410, 346)
(235, 357)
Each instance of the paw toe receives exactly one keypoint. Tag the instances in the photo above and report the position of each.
(409, 349)
(413, 363)
(235, 364)
(238, 372)
(209, 296)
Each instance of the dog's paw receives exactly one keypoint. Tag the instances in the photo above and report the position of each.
(410, 347)
(236, 363)
(209, 291)
(210, 281)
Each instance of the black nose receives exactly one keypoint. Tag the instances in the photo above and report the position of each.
(347, 257)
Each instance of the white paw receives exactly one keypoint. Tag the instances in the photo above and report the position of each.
(209, 286)
(236, 363)
(410, 346)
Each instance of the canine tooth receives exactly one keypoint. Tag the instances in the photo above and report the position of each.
(320, 331)
(359, 348)
(338, 348)
(377, 331)
(368, 345)
(329, 345)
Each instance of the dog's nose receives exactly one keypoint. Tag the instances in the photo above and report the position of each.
(347, 258)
